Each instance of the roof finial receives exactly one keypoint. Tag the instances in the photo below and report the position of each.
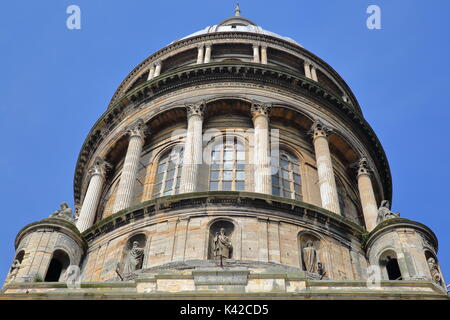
(237, 10)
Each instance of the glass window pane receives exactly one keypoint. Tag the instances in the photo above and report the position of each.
(240, 155)
(214, 175)
(159, 177)
(296, 168)
(228, 175)
(240, 175)
(226, 186)
(228, 155)
(275, 191)
(170, 174)
(215, 166)
(168, 186)
(161, 167)
(284, 164)
(286, 184)
(297, 178)
(240, 185)
(285, 174)
(240, 166)
(228, 165)
(287, 193)
(275, 180)
(298, 197)
(216, 156)
(213, 186)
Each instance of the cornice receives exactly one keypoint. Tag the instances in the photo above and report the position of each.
(296, 209)
(58, 224)
(398, 223)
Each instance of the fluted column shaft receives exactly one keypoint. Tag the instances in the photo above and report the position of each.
(367, 195)
(151, 73)
(327, 183)
(263, 182)
(158, 68)
(91, 199)
(193, 152)
(207, 53)
(264, 55)
(200, 54)
(256, 54)
(124, 195)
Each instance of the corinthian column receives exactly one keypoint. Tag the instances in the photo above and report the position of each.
(124, 195)
(260, 117)
(193, 148)
(327, 183)
(366, 194)
(90, 203)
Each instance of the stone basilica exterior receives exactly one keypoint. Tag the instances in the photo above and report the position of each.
(232, 163)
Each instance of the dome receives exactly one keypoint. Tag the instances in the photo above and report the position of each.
(238, 24)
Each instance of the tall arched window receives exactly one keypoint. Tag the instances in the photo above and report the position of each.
(286, 179)
(341, 196)
(168, 173)
(227, 170)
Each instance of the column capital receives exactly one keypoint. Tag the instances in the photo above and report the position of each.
(260, 109)
(158, 63)
(137, 128)
(100, 167)
(318, 129)
(362, 166)
(196, 109)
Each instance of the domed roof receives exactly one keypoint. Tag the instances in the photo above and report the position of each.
(239, 24)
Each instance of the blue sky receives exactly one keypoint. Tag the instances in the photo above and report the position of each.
(56, 82)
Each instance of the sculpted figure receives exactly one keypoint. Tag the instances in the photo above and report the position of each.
(134, 259)
(65, 212)
(222, 245)
(435, 274)
(385, 213)
(14, 269)
(310, 257)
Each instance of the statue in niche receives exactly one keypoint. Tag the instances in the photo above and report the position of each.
(310, 257)
(385, 213)
(14, 269)
(134, 259)
(65, 213)
(435, 274)
(222, 246)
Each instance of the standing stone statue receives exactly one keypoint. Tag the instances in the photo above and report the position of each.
(385, 213)
(65, 212)
(14, 269)
(435, 274)
(134, 259)
(222, 246)
(310, 257)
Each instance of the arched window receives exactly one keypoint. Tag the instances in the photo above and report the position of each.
(168, 173)
(286, 179)
(389, 264)
(227, 171)
(57, 267)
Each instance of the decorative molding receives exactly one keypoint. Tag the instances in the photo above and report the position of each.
(318, 129)
(196, 109)
(260, 109)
